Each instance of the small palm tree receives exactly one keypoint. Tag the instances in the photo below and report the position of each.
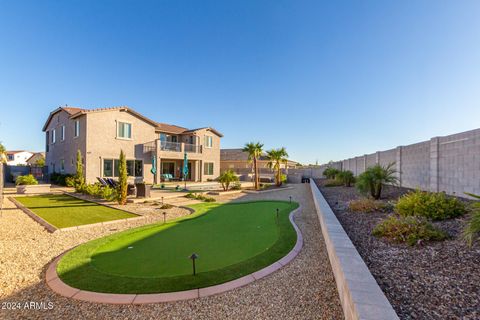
(373, 179)
(226, 178)
(275, 158)
(254, 151)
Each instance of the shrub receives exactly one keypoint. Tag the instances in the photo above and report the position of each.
(122, 188)
(162, 186)
(226, 178)
(70, 181)
(60, 179)
(79, 178)
(431, 205)
(333, 183)
(200, 197)
(372, 180)
(330, 172)
(366, 205)
(346, 177)
(191, 196)
(26, 180)
(109, 193)
(408, 229)
(236, 186)
(283, 178)
(472, 229)
(166, 206)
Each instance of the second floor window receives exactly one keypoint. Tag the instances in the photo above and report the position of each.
(62, 133)
(124, 130)
(54, 135)
(77, 128)
(208, 141)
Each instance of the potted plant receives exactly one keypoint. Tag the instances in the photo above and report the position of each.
(28, 184)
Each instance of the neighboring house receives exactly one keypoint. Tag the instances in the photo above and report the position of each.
(32, 161)
(18, 157)
(100, 134)
(237, 160)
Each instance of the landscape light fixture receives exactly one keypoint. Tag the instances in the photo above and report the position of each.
(277, 213)
(164, 216)
(193, 257)
(162, 200)
(290, 199)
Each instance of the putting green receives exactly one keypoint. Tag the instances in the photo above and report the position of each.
(231, 240)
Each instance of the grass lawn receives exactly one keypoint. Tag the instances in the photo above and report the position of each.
(232, 240)
(64, 211)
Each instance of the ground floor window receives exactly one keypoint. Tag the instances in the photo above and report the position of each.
(111, 168)
(208, 168)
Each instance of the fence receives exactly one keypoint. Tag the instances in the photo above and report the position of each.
(11, 172)
(450, 163)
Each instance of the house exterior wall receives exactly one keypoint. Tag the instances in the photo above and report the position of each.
(103, 143)
(66, 149)
(98, 141)
(19, 158)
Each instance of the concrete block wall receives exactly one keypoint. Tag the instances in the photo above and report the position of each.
(450, 163)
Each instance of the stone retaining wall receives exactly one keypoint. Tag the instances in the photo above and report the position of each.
(360, 295)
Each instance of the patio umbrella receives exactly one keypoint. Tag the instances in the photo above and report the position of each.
(154, 165)
(185, 169)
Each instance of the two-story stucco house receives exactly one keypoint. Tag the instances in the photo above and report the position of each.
(100, 134)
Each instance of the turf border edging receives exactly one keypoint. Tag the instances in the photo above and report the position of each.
(58, 286)
(49, 227)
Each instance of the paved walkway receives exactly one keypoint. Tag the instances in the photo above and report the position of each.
(303, 289)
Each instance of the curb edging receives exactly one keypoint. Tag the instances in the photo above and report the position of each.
(360, 295)
(58, 286)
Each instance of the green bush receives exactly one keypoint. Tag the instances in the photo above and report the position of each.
(166, 206)
(70, 181)
(431, 205)
(472, 229)
(346, 177)
(330, 172)
(60, 179)
(26, 180)
(200, 197)
(236, 186)
(408, 229)
(372, 180)
(333, 183)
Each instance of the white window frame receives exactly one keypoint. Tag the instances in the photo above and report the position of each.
(76, 129)
(121, 122)
(208, 138)
(54, 136)
(62, 136)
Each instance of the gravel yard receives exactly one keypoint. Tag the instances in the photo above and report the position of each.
(437, 280)
(304, 289)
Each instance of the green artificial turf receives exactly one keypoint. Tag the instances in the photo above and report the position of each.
(231, 240)
(64, 211)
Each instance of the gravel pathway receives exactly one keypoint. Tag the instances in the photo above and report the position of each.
(436, 280)
(304, 289)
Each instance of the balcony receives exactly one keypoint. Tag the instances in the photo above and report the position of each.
(169, 146)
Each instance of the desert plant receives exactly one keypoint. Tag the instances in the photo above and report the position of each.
(26, 180)
(346, 177)
(471, 232)
(330, 172)
(236, 186)
(226, 178)
(254, 151)
(166, 206)
(408, 229)
(431, 205)
(79, 178)
(372, 180)
(275, 159)
(122, 179)
(332, 183)
(70, 181)
(367, 205)
(108, 193)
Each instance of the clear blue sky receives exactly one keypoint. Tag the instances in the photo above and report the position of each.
(327, 80)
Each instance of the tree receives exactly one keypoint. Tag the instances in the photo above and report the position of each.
(40, 162)
(331, 172)
(254, 151)
(226, 178)
(122, 179)
(275, 158)
(3, 156)
(372, 180)
(346, 177)
(79, 178)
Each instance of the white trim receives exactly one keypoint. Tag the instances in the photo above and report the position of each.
(117, 122)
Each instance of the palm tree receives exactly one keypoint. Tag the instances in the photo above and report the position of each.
(254, 151)
(275, 158)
